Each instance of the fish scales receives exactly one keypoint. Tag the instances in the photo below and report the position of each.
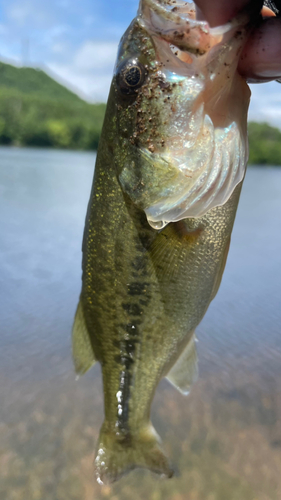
(149, 308)
(150, 270)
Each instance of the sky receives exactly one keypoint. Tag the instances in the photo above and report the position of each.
(75, 41)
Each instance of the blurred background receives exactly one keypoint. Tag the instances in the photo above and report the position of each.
(224, 440)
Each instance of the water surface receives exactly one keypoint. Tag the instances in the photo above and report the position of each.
(224, 439)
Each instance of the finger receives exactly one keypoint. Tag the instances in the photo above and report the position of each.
(267, 12)
(261, 57)
(218, 12)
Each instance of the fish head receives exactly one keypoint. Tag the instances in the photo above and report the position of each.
(180, 111)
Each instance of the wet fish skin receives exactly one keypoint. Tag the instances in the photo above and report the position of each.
(159, 282)
(134, 285)
(144, 291)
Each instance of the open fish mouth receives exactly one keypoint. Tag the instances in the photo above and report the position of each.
(203, 114)
(175, 21)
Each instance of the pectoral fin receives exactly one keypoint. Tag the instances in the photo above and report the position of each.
(185, 371)
(82, 350)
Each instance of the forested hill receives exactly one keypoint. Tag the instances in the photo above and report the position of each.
(35, 82)
(264, 143)
(35, 110)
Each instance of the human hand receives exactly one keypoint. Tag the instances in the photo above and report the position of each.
(261, 58)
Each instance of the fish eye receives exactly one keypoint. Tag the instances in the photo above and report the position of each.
(130, 76)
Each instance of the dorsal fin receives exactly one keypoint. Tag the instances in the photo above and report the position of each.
(185, 371)
(82, 350)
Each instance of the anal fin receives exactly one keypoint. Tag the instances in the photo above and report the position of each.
(82, 350)
(185, 371)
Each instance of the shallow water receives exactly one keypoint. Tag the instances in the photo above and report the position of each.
(224, 439)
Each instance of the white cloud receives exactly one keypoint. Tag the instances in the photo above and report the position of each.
(90, 69)
(95, 55)
(59, 48)
(92, 89)
(266, 103)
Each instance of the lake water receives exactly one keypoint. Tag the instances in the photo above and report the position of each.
(224, 439)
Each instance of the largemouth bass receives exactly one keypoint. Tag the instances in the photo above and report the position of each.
(168, 176)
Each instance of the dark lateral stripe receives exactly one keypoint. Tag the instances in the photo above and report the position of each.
(131, 328)
(132, 309)
(127, 359)
(123, 404)
(137, 288)
(138, 264)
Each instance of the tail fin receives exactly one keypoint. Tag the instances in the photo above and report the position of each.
(118, 454)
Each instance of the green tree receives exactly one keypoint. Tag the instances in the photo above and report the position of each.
(59, 133)
(35, 110)
(264, 144)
